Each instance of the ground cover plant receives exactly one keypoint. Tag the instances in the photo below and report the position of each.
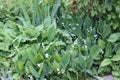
(59, 39)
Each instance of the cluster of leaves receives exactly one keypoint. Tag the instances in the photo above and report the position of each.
(51, 40)
(94, 27)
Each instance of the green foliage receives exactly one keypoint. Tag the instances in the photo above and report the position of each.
(55, 39)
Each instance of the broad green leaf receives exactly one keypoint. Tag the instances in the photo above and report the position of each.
(47, 22)
(16, 76)
(6, 64)
(44, 34)
(116, 57)
(24, 55)
(65, 60)
(116, 73)
(105, 62)
(114, 37)
(81, 60)
(94, 51)
(30, 55)
(60, 43)
(55, 9)
(1, 25)
(26, 15)
(87, 23)
(57, 57)
(108, 50)
(55, 65)
(4, 46)
(11, 32)
(31, 33)
(89, 61)
(117, 8)
(106, 30)
(7, 37)
(100, 69)
(33, 71)
(108, 5)
(39, 28)
(20, 67)
(86, 2)
(101, 43)
(38, 58)
(51, 33)
(47, 69)
(17, 41)
(50, 47)
(15, 58)
(12, 24)
(35, 47)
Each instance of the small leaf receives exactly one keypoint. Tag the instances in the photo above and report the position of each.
(87, 22)
(4, 46)
(16, 76)
(116, 57)
(65, 60)
(17, 42)
(55, 9)
(38, 58)
(58, 58)
(55, 65)
(44, 34)
(105, 62)
(60, 43)
(51, 33)
(101, 43)
(94, 51)
(100, 69)
(6, 64)
(15, 58)
(116, 73)
(114, 37)
(31, 33)
(33, 71)
(106, 30)
(20, 67)
(108, 50)
(30, 55)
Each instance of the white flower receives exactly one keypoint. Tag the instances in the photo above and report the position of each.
(88, 31)
(77, 24)
(91, 29)
(69, 24)
(63, 23)
(31, 78)
(74, 28)
(95, 36)
(84, 41)
(58, 72)
(46, 55)
(38, 65)
(102, 51)
(86, 47)
(1, 6)
(58, 69)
